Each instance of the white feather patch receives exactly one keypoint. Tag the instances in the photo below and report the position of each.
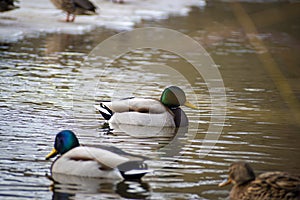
(136, 104)
(138, 171)
(99, 108)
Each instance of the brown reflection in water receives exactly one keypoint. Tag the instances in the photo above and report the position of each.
(258, 28)
(78, 43)
(58, 43)
(261, 72)
(265, 56)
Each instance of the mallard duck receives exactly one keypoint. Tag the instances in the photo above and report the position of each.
(118, 1)
(102, 162)
(165, 112)
(7, 5)
(75, 7)
(267, 186)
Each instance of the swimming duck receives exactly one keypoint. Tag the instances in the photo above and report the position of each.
(165, 112)
(75, 7)
(7, 5)
(102, 162)
(267, 186)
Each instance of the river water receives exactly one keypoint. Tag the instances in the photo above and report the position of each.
(46, 87)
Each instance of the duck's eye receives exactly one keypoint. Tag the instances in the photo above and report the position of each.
(59, 142)
(231, 174)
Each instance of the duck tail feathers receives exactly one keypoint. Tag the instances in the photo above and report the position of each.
(133, 169)
(105, 111)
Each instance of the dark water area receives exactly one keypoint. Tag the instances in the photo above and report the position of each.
(46, 88)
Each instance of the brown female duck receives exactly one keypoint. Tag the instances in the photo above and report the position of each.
(75, 7)
(267, 186)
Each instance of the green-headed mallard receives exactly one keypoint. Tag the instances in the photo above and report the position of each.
(102, 162)
(7, 5)
(267, 186)
(165, 112)
(75, 7)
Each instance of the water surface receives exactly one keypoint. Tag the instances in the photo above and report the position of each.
(43, 81)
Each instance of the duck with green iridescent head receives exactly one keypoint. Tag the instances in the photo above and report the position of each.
(165, 112)
(94, 162)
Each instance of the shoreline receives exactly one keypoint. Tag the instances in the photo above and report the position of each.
(40, 16)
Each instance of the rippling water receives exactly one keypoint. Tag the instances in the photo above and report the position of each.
(45, 88)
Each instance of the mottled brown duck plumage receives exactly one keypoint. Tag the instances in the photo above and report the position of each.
(75, 7)
(267, 186)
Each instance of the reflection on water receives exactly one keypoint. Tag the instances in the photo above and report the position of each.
(41, 93)
(66, 187)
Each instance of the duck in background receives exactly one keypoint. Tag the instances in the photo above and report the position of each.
(102, 162)
(75, 7)
(118, 1)
(266, 186)
(165, 112)
(7, 5)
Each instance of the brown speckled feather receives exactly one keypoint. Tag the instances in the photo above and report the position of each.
(267, 186)
(79, 7)
(75, 7)
(272, 185)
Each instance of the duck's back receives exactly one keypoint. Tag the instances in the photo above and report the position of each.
(269, 186)
(75, 6)
(65, 5)
(141, 112)
(89, 162)
(141, 105)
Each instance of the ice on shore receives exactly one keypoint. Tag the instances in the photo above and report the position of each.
(40, 16)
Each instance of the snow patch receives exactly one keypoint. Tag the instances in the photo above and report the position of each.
(40, 16)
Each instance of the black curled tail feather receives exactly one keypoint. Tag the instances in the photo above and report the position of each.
(133, 169)
(105, 111)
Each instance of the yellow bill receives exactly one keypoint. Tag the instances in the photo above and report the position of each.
(190, 105)
(224, 183)
(52, 154)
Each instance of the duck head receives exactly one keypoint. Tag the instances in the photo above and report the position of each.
(239, 173)
(64, 141)
(174, 96)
